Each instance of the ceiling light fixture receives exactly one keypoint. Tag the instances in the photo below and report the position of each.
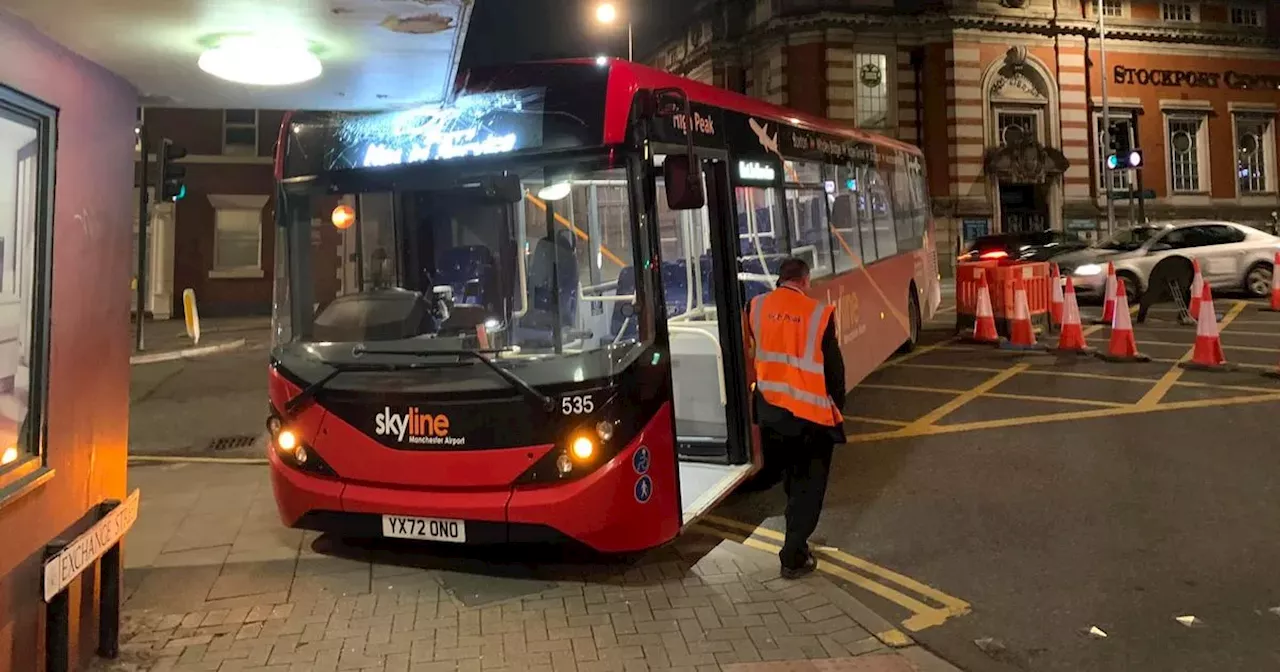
(260, 61)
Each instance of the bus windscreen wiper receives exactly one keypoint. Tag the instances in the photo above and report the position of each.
(481, 356)
(295, 403)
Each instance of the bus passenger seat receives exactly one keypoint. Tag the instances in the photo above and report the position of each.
(619, 324)
(469, 270)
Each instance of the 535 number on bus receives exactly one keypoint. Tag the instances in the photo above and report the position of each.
(577, 405)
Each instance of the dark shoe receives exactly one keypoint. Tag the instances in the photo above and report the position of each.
(792, 573)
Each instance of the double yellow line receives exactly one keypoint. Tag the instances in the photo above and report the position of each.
(929, 606)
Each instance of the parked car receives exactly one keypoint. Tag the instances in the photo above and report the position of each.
(1026, 246)
(1231, 256)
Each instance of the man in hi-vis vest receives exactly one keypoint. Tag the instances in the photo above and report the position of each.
(799, 397)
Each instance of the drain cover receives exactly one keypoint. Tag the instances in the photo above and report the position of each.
(231, 443)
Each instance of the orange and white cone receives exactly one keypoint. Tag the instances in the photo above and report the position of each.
(1207, 353)
(1071, 339)
(1109, 302)
(1123, 346)
(1275, 286)
(984, 319)
(1022, 335)
(1197, 289)
(1055, 296)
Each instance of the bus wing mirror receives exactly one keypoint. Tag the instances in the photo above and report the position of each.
(505, 188)
(683, 183)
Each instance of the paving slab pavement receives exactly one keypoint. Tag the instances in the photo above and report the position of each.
(214, 582)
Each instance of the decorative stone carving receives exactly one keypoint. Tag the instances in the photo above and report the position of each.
(1027, 162)
(1015, 86)
(1016, 56)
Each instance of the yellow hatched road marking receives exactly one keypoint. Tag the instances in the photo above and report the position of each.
(1133, 409)
(876, 421)
(1170, 378)
(838, 563)
(1054, 400)
(954, 367)
(973, 393)
(908, 388)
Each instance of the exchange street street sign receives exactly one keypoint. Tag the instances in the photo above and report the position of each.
(79, 555)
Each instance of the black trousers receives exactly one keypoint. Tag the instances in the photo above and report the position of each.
(1165, 293)
(805, 463)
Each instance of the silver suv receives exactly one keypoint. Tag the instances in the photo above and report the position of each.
(1231, 256)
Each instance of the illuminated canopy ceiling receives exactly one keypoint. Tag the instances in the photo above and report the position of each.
(374, 53)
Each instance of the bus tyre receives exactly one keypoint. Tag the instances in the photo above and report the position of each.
(913, 323)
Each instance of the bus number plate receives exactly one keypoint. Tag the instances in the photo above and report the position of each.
(427, 529)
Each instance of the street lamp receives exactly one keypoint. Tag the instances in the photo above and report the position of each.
(607, 14)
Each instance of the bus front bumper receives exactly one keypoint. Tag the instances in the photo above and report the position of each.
(546, 514)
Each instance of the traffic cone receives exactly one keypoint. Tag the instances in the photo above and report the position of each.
(984, 319)
(1207, 354)
(1275, 286)
(1197, 288)
(1071, 338)
(1109, 303)
(1022, 336)
(1123, 346)
(1055, 296)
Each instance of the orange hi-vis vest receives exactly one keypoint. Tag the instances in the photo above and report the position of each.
(787, 327)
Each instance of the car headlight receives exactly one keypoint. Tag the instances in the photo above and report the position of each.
(1088, 269)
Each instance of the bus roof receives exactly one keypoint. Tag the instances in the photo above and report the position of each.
(573, 103)
(627, 78)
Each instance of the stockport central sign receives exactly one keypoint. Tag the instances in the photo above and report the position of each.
(1195, 79)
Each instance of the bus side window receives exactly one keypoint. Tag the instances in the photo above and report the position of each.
(809, 237)
(905, 207)
(762, 237)
(862, 194)
(882, 213)
(846, 240)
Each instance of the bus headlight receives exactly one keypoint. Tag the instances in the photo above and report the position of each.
(583, 448)
(274, 425)
(287, 441)
(604, 429)
(563, 464)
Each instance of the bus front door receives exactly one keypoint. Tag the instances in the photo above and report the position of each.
(704, 325)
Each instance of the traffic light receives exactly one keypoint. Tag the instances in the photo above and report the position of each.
(1122, 154)
(171, 183)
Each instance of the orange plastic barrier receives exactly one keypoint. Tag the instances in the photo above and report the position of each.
(1000, 276)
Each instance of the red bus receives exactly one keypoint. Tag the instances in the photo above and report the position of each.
(519, 317)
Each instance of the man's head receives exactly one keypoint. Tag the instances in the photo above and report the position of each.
(794, 271)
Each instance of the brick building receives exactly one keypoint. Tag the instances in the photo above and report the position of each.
(218, 240)
(1005, 97)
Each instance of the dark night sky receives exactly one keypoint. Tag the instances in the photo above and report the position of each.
(507, 31)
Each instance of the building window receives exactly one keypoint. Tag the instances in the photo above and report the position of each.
(1178, 11)
(1255, 155)
(237, 233)
(1015, 127)
(1187, 169)
(1119, 178)
(1113, 8)
(240, 132)
(27, 139)
(872, 103)
(1246, 16)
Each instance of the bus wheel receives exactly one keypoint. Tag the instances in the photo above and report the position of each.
(913, 318)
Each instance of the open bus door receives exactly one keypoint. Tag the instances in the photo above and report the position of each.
(703, 326)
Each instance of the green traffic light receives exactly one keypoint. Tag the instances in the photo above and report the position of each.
(182, 193)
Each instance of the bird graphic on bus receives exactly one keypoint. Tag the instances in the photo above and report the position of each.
(769, 142)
